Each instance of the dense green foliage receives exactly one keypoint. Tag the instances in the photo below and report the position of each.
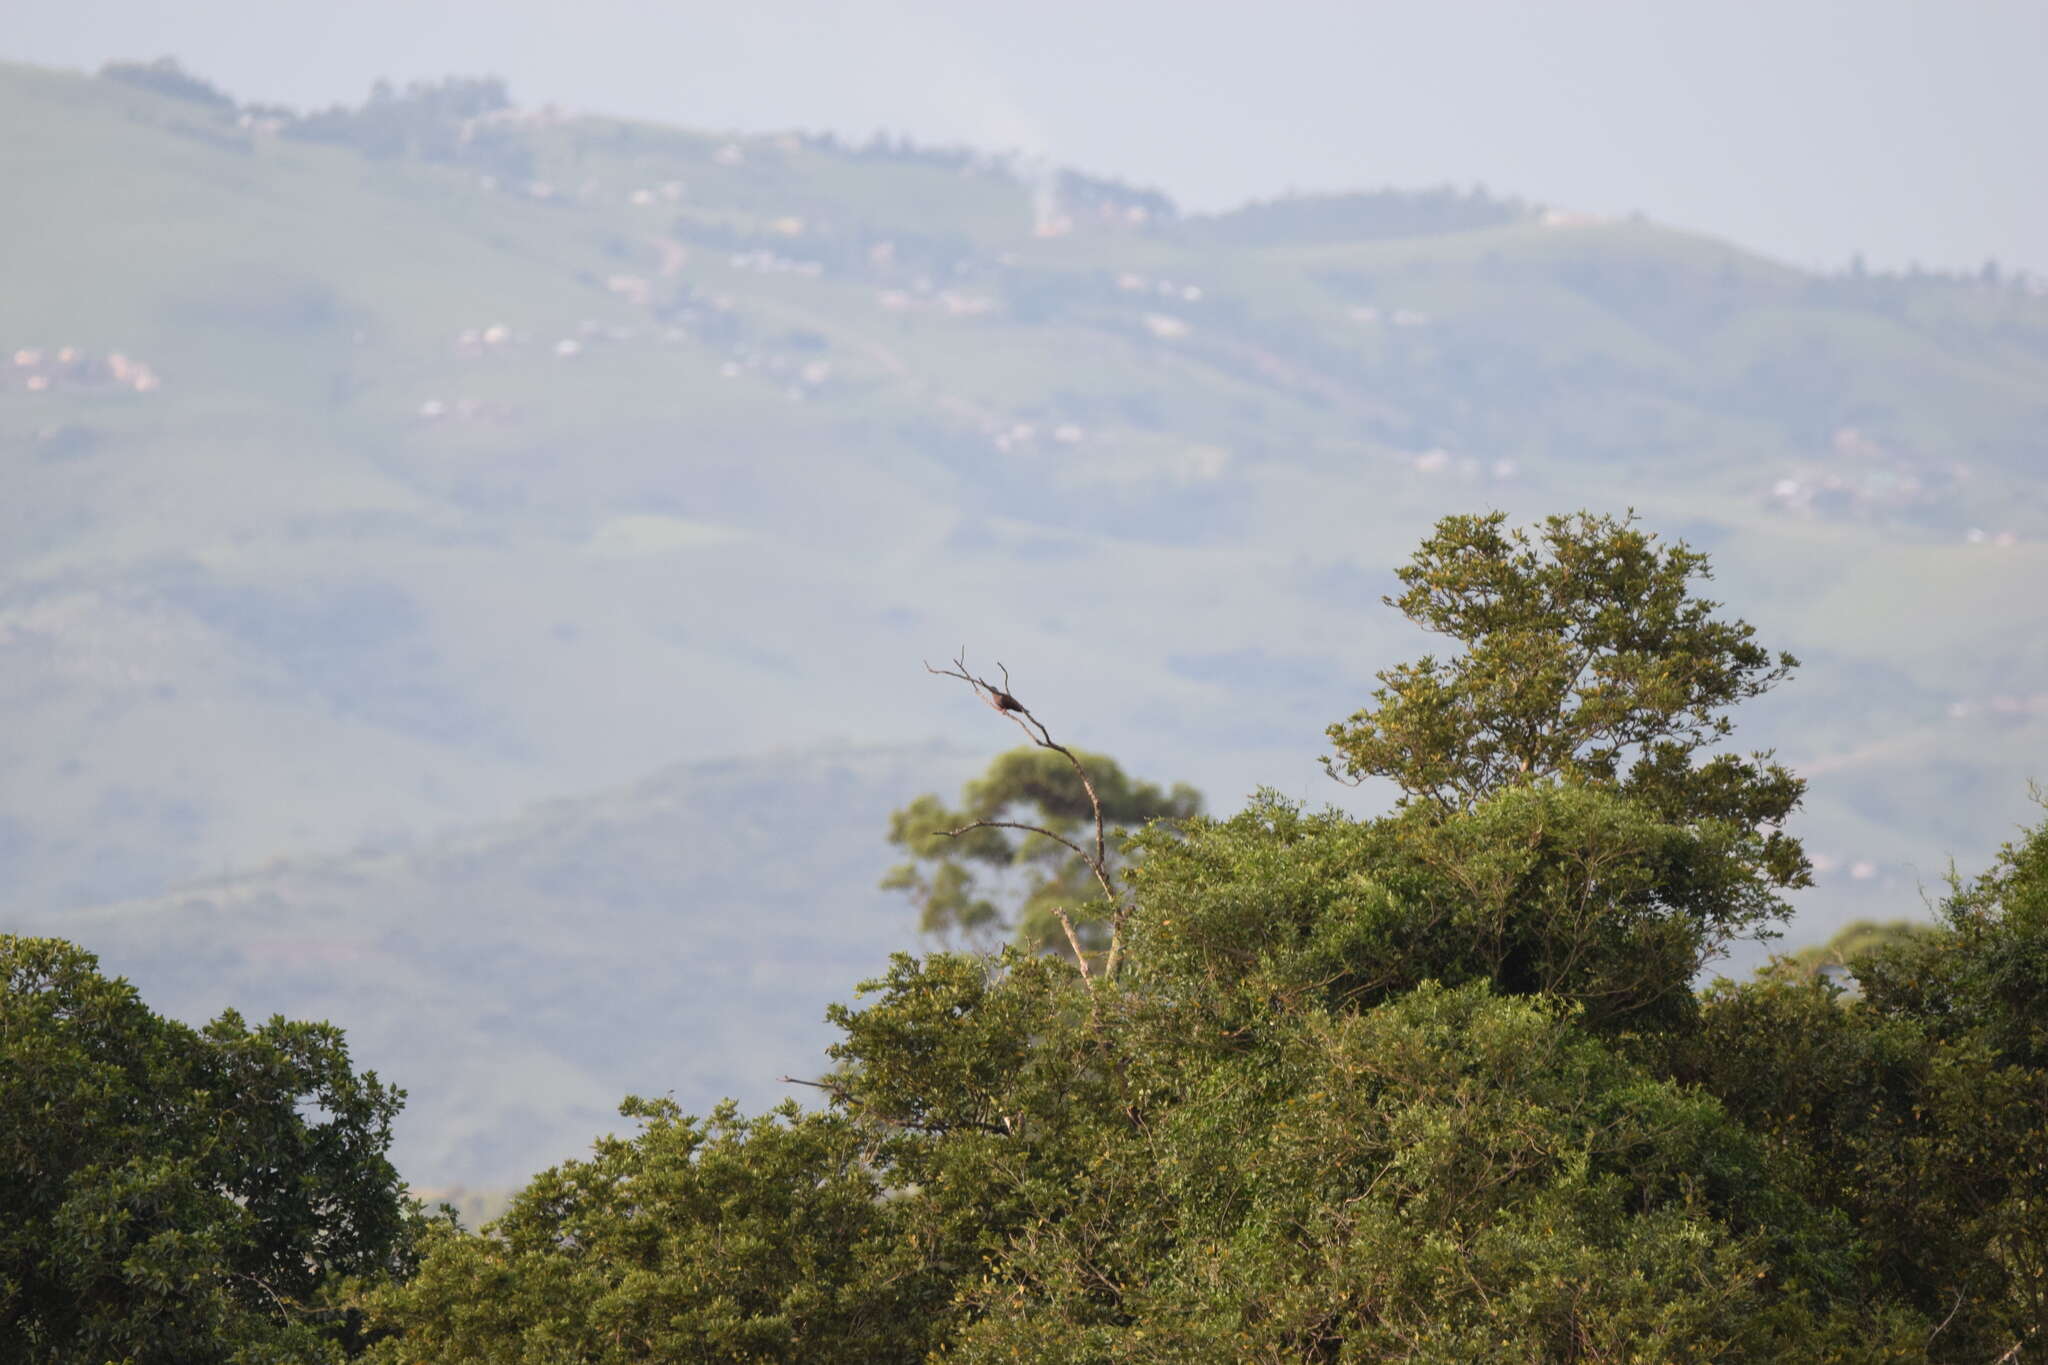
(1431, 1087)
(176, 1195)
(1568, 892)
(1578, 656)
(1454, 1176)
(1918, 1107)
(1434, 1086)
(719, 1239)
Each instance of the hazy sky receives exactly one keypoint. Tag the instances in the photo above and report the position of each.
(1809, 129)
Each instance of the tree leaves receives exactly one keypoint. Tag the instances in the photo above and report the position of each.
(177, 1195)
(1433, 1086)
(1583, 646)
(720, 1238)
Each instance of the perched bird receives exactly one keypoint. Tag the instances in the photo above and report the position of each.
(1005, 702)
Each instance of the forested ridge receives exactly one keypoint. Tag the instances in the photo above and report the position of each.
(1439, 1084)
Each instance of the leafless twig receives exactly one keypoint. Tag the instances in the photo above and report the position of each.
(841, 1095)
(1003, 702)
(2014, 1352)
(284, 1307)
(1947, 1320)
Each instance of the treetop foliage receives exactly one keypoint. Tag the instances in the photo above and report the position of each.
(1836, 959)
(1987, 975)
(719, 1238)
(1433, 1086)
(1582, 646)
(171, 1194)
(1918, 1107)
(1569, 892)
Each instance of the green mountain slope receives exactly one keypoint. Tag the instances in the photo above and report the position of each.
(377, 473)
(679, 934)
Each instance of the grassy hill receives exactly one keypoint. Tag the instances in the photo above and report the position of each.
(382, 472)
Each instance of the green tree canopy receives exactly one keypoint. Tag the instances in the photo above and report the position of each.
(1987, 977)
(717, 1239)
(1450, 1176)
(1917, 1107)
(1585, 657)
(1433, 1086)
(178, 1195)
(1570, 892)
(1979, 991)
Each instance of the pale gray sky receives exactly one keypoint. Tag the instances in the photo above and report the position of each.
(1808, 129)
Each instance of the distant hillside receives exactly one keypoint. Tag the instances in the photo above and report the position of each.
(520, 979)
(379, 471)
(1325, 219)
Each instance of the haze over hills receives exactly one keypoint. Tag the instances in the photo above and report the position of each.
(378, 472)
(682, 933)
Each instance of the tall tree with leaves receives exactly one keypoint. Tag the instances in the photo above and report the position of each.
(1585, 657)
(1324, 1090)
(180, 1195)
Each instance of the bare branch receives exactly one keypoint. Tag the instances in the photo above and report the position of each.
(1094, 865)
(2015, 1349)
(1074, 942)
(1004, 703)
(1116, 940)
(1073, 939)
(284, 1307)
(1951, 1318)
(840, 1093)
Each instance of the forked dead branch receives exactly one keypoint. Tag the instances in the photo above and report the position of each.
(1003, 702)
